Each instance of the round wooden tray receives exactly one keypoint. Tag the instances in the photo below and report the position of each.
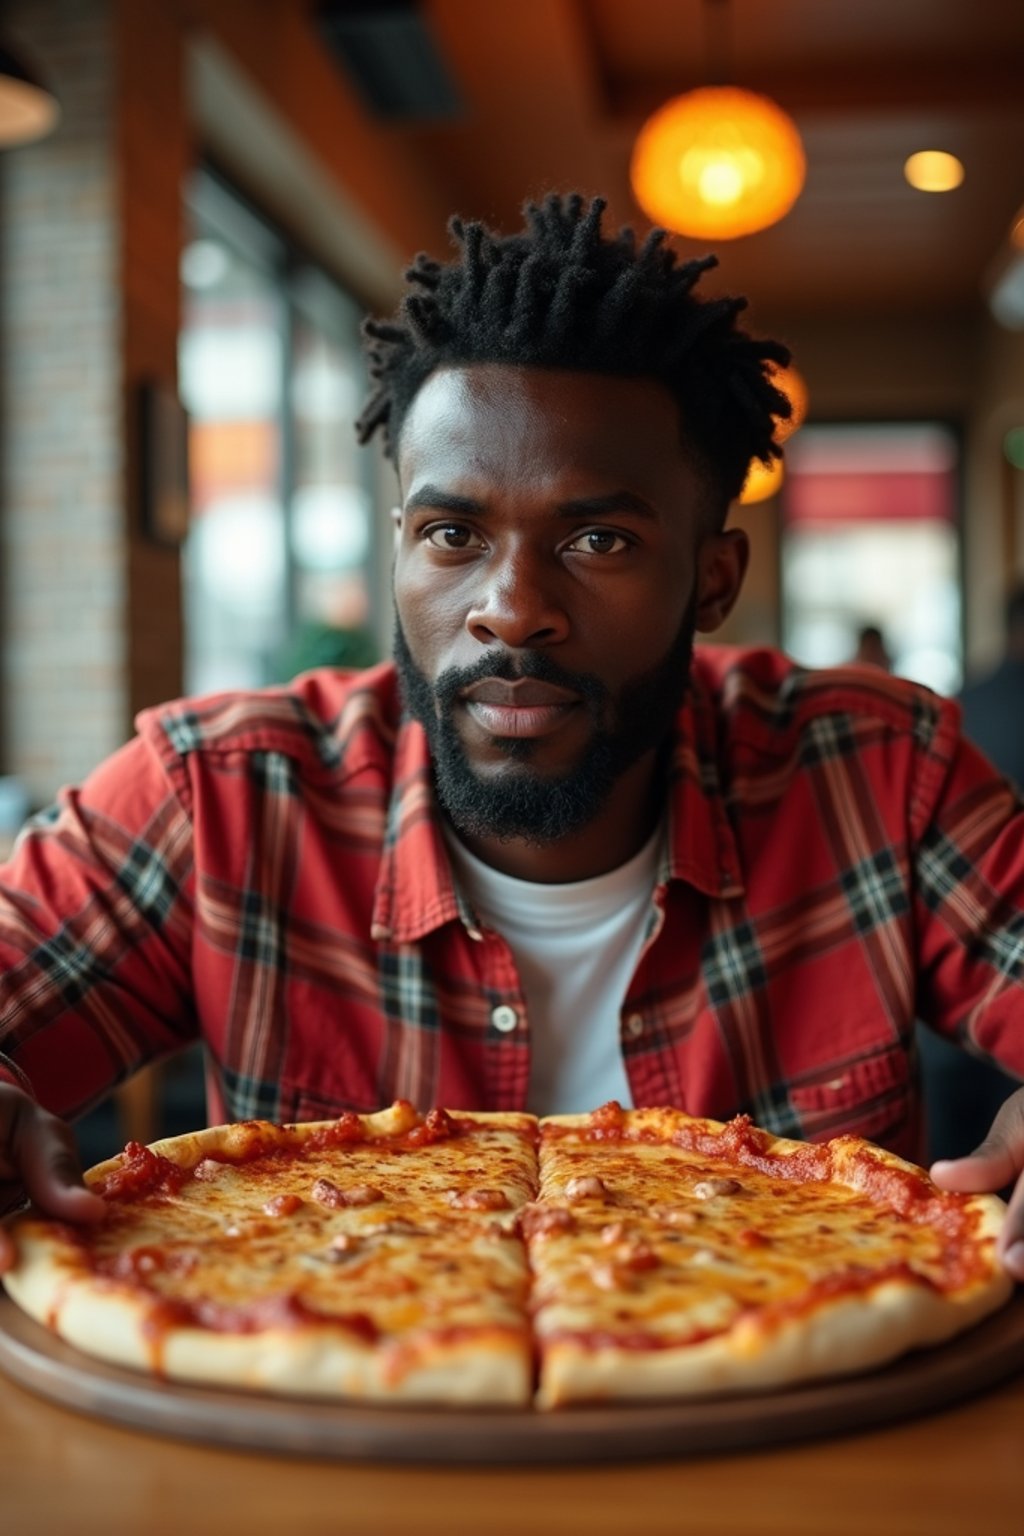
(916, 1384)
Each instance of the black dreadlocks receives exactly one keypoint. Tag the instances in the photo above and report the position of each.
(562, 295)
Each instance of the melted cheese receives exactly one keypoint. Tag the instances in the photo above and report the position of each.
(405, 1255)
(679, 1244)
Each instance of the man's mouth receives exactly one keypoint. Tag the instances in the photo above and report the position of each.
(525, 708)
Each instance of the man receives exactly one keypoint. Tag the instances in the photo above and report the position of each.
(584, 860)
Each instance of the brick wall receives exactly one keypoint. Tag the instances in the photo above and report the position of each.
(90, 221)
(61, 518)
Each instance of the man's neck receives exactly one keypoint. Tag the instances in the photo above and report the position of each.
(616, 833)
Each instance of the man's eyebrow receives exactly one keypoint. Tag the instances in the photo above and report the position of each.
(442, 501)
(602, 506)
(578, 506)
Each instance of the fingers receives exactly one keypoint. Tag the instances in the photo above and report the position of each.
(998, 1161)
(1010, 1246)
(989, 1167)
(53, 1176)
(49, 1166)
(37, 1152)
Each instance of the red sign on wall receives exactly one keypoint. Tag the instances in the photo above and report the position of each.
(883, 495)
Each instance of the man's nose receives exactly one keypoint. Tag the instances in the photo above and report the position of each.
(520, 604)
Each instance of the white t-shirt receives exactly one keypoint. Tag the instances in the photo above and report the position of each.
(576, 947)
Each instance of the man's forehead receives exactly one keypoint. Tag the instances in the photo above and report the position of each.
(490, 410)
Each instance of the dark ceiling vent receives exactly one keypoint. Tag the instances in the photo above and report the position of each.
(387, 50)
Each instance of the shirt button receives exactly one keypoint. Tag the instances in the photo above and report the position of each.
(635, 1026)
(504, 1018)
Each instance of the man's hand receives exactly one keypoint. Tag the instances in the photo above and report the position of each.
(997, 1162)
(37, 1156)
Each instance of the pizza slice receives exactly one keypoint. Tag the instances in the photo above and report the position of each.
(677, 1257)
(375, 1257)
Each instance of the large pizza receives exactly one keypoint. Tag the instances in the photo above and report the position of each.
(497, 1259)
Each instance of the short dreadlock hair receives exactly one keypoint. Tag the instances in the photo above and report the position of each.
(560, 294)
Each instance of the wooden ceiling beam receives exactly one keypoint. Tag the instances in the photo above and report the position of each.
(863, 87)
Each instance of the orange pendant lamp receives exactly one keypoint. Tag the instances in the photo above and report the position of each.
(793, 385)
(28, 108)
(718, 162)
(764, 480)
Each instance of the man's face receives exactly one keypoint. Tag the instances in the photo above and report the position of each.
(548, 582)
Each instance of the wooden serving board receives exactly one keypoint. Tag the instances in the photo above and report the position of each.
(918, 1383)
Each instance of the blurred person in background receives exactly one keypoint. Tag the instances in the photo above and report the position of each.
(872, 650)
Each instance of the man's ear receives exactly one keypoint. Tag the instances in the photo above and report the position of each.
(396, 524)
(721, 566)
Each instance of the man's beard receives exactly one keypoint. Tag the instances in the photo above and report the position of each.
(526, 804)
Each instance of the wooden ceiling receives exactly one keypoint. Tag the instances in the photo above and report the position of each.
(554, 92)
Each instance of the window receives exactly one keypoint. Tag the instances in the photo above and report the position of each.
(870, 538)
(278, 562)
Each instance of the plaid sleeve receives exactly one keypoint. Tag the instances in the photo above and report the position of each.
(95, 934)
(969, 881)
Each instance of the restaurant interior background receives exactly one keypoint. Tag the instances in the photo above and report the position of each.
(232, 184)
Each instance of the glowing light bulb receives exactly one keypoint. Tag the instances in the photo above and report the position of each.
(718, 163)
(721, 182)
(932, 170)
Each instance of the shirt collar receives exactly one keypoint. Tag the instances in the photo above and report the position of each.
(416, 891)
(700, 847)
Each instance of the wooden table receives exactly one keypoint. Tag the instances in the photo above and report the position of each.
(959, 1472)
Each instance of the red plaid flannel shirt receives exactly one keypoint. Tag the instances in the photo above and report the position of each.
(266, 872)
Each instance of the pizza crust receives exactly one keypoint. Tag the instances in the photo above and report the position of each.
(115, 1324)
(843, 1338)
(587, 1352)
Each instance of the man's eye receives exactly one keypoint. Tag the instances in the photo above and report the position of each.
(600, 541)
(451, 536)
